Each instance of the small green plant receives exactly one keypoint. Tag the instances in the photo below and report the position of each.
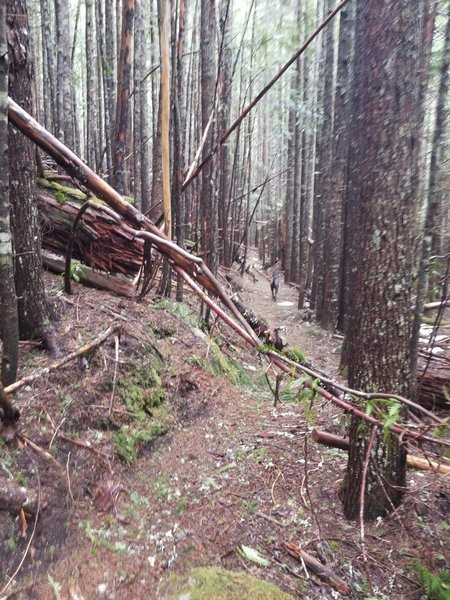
(182, 505)
(76, 270)
(387, 410)
(435, 586)
(296, 355)
(196, 361)
(180, 310)
(162, 487)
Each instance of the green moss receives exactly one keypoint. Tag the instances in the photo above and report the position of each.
(141, 390)
(62, 193)
(210, 582)
(128, 439)
(163, 331)
(181, 310)
(436, 586)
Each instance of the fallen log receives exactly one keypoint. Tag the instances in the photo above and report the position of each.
(317, 567)
(14, 497)
(87, 275)
(433, 382)
(100, 242)
(416, 462)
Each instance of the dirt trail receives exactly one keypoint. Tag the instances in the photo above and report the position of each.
(320, 347)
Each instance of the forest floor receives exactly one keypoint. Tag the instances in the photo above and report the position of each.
(194, 466)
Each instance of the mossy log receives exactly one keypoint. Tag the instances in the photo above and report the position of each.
(96, 279)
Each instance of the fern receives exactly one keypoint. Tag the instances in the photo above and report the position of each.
(387, 410)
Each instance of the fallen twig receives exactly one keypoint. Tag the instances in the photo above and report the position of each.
(116, 361)
(56, 365)
(317, 567)
(25, 440)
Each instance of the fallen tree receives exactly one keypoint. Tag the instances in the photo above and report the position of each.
(99, 242)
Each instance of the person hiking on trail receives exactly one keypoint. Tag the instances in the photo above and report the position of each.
(275, 284)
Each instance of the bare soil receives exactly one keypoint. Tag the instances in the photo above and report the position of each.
(228, 468)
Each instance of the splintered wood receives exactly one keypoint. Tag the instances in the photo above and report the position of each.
(100, 242)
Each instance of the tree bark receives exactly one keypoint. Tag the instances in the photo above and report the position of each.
(92, 95)
(64, 116)
(34, 317)
(335, 250)
(385, 138)
(9, 324)
(209, 213)
(122, 122)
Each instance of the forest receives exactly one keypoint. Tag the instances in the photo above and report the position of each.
(224, 299)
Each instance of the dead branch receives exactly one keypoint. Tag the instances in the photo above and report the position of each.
(433, 305)
(318, 568)
(46, 455)
(69, 357)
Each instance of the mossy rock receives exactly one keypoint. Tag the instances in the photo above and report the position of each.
(207, 583)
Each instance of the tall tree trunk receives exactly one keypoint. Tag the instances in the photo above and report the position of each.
(334, 250)
(208, 87)
(34, 318)
(223, 119)
(179, 129)
(323, 163)
(139, 60)
(49, 67)
(122, 123)
(385, 139)
(64, 122)
(110, 68)
(9, 324)
(92, 96)
(433, 213)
